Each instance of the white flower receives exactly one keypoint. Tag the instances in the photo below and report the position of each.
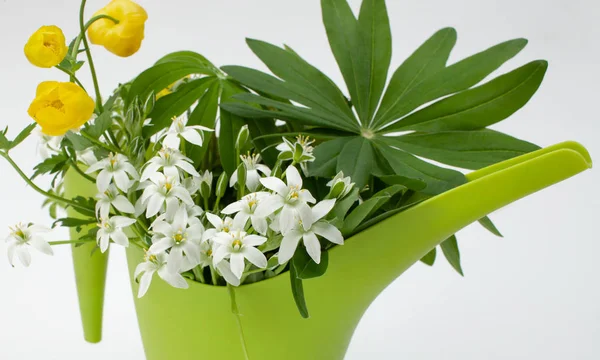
(157, 263)
(171, 161)
(87, 156)
(112, 197)
(221, 225)
(112, 229)
(194, 183)
(237, 246)
(290, 198)
(21, 236)
(48, 145)
(180, 239)
(193, 212)
(300, 151)
(308, 233)
(340, 185)
(192, 134)
(162, 190)
(245, 209)
(115, 167)
(252, 169)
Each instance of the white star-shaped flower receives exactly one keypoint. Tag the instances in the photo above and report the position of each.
(178, 130)
(251, 162)
(21, 237)
(237, 246)
(245, 209)
(159, 191)
(290, 198)
(115, 167)
(157, 264)
(171, 161)
(308, 233)
(112, 229)
(112, 197)
(180, 239)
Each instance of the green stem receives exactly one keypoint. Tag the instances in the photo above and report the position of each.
(99, 143)
(236, 313)
(213, 275)
(72, 76)
(73, 161)
(38, 189)
(88, 53)
(280, 269)
(66, 242)
(77, 42)
(198, 273)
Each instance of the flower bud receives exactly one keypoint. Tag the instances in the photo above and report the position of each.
(149, 104)
(222, 184)
(241, 176)
(206, 184)
(340, 186)
(46, 47)
(122, 39)
(242, 138)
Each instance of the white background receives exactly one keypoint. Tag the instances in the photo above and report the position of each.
(532, 295)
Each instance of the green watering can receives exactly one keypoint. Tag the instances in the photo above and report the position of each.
(198, 323)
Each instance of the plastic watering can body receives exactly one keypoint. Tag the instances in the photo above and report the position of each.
(198, 323)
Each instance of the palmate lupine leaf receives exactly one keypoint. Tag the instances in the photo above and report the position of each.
(451, 131)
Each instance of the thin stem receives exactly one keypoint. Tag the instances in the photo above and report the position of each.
(99, 143)
(73, 161)
(198, 273)
(236, 313)
(37, 188)
(66, 242)
(280, 269)
(213, 275)
(75, 49)
(88, 53)
(72, 76)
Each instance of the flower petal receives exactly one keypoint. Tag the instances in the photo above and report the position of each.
(175, 259)
(41, 245)
(269, 205)
(103, 180)
(225, 269)
(275, 184)
(288, 246)
(192, 136)
(292, 177)
(173, 279)
(255, 256)
(23, 255)
(237, 264)
(313, 246)
(123, 205)
(122, 180)
(120, 238)
(232, 208)
(145, 283)
(254, 240)
(322, 208)
(161, 245)
(329, 232)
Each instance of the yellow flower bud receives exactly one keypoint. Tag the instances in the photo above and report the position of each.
(60, 106)
(122, 39)
(46, 47)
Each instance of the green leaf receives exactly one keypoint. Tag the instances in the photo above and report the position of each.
(427, 60)
(454, 78)
(429, 259)
(307, 116)
(390, 190)
(376, 41)
(308, 85)
(487, 223)
(204, 114)
(52, 165)
(305, 266)
(188, 57)
(4, 142)
(74, 222)
(78, 142)
(356, 160)
(438, 179)
(100, 124)
(176, 104)
(481, 106)
(362, 213)
(22, 135)
(341, 207)
(466, 149)
(162, 75)
(452, 254)
(326, 155)
(298, 292)
(230, 125)
(409, 183)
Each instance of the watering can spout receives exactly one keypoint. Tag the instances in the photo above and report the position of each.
(89, 263)
(393, 245)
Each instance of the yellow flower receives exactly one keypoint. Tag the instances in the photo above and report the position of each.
(46, 47)
(60, 106)
(122, 39)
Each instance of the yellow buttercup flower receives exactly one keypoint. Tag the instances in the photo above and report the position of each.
(46, 47)
(60, 106)
(122, 39)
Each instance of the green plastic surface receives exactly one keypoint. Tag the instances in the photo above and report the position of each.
(198, 323)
